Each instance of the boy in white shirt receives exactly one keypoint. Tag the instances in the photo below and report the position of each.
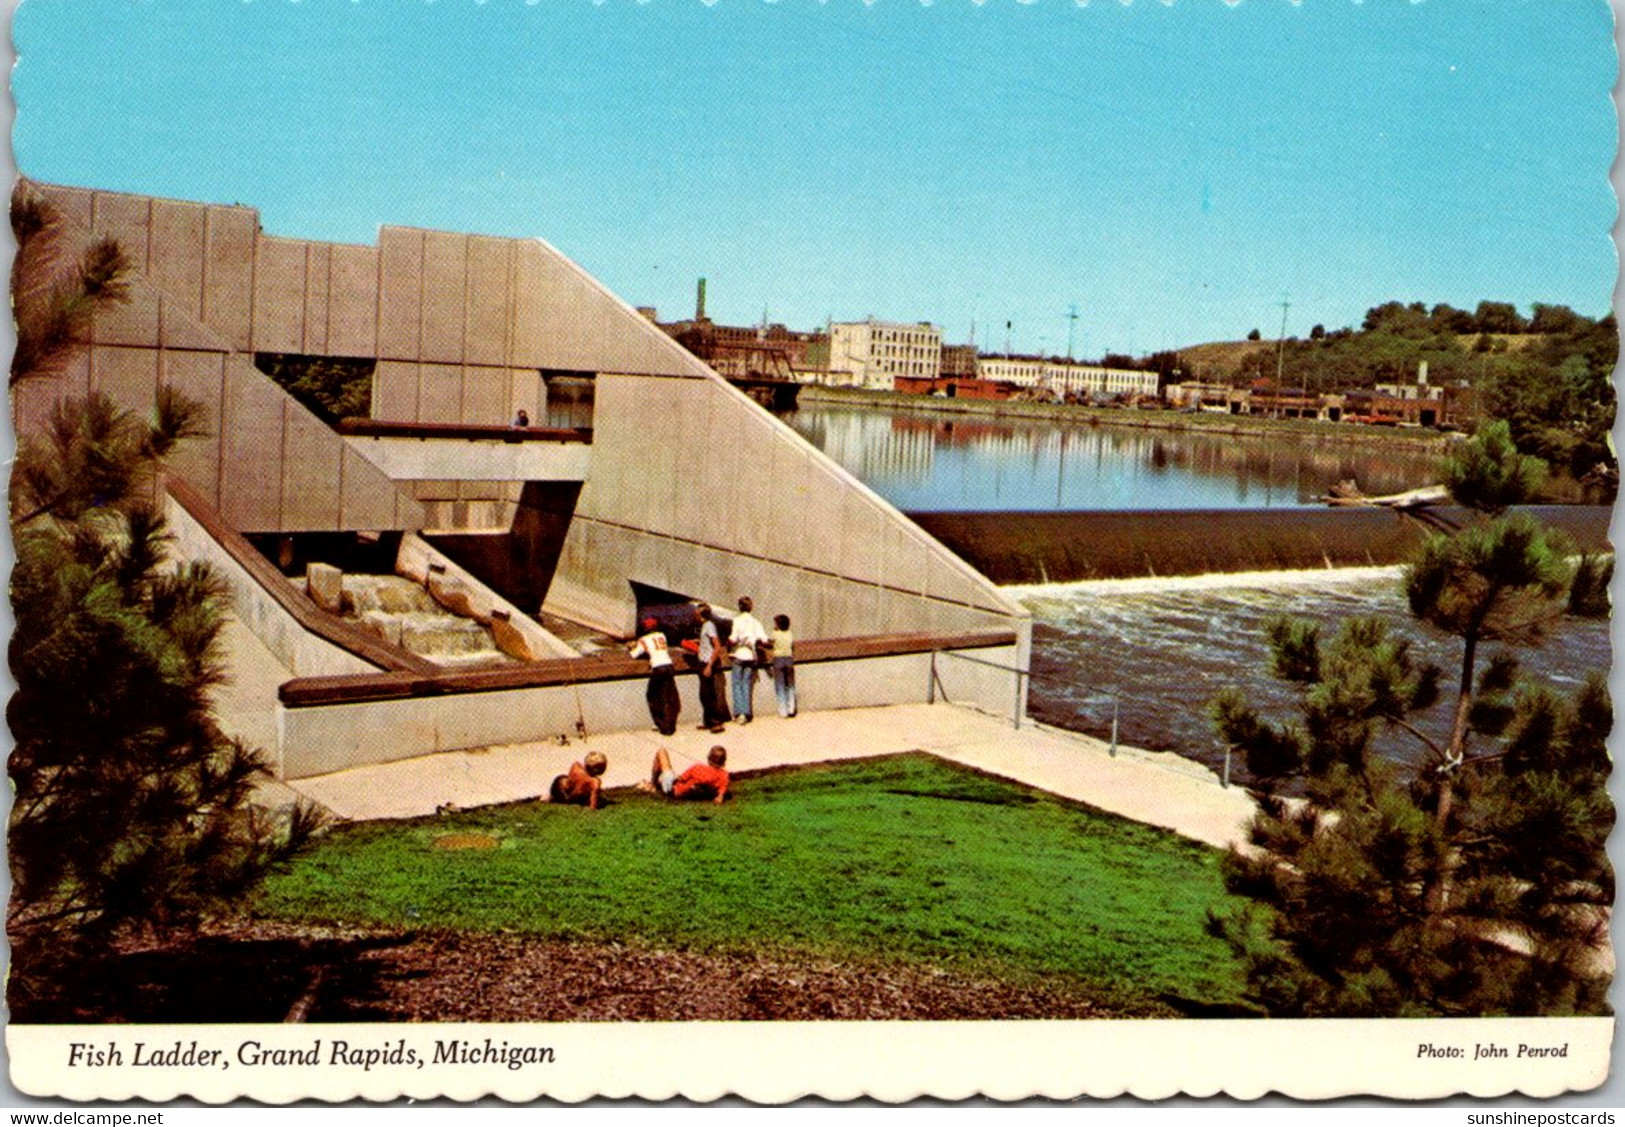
(662, 693)
(746, 636)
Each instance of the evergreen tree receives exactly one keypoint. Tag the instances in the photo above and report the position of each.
(130, 804)
(1476, 881)
(53, 302)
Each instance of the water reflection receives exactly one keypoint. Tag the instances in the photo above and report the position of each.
(925, 462)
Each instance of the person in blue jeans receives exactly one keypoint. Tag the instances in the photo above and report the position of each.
(784, 665)
(746, 637)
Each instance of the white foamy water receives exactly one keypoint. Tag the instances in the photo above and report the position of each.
(401, 612)
(1158, 650)
(1215, 581)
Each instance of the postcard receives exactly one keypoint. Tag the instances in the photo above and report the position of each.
(780, 548)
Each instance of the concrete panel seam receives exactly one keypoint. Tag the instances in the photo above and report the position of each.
(282, 468)
(736, 554)
(203, 272)
(468, 285)
(304, 315)
(923, 539)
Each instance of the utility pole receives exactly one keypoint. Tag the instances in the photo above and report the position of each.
(1071, 331)
(1280, 348)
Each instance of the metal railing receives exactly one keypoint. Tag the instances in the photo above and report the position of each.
(1023, 678)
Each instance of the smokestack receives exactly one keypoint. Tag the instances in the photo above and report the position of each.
(699, 302)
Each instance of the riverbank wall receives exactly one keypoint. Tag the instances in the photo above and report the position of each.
(1078, 415)
(1064, 547)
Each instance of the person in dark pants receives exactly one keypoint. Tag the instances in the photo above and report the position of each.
(784, 665)
(664, 704)
(713, 691)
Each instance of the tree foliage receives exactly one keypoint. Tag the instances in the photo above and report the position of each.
(53, 300)
(334, 387)
(1488, 473)
(1475, 879)
(1550, 378)
(130, 804)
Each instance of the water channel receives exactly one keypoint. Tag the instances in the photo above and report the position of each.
(1154, 651)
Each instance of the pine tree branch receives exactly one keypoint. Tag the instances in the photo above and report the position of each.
(1410, 729)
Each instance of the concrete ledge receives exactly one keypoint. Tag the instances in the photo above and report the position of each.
(338, 733)
(307, 692)
(261, 593)
(385, 428)
(461, 456)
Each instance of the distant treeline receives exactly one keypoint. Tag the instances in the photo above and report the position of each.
(1549, 375)
(334, 387)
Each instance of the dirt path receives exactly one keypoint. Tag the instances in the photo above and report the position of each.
(261, 972)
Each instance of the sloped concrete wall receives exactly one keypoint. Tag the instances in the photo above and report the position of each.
(693, 488)
(267, 464)
(729, 502)
(296, 649)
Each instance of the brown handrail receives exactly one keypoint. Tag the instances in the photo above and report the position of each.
(386, 428)
(306, 692)
(345, 635)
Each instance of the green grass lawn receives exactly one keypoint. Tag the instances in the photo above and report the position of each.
(907, 858)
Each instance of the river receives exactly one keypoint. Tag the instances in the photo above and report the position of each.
(924, 461)
(1161, 649)
(1155, 651)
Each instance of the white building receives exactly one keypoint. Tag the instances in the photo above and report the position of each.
(1062, 378)
(874, 353)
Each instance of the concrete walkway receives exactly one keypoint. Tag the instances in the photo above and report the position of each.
(1158, 789)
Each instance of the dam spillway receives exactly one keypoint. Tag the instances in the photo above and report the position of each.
(1064, 547)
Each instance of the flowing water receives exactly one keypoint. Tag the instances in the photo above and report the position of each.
(403, 612)
(1161, 649)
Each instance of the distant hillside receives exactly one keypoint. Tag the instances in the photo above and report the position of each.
(1551, 380)
(1225, 361)
(1219, 361)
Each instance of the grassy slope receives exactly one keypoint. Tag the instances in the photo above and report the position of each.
(1221, 359)
(904, 858)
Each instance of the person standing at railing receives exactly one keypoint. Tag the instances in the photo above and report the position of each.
(713, 690)
(784, 665)
(664, 704)
(748, 641)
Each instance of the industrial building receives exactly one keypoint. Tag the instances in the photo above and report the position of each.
(1063, 378)
(875, 354)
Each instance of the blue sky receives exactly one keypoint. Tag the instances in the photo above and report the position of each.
(1176, 170)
